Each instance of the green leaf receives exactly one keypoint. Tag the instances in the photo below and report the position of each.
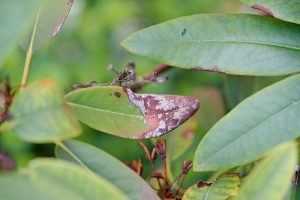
(52, 179)
(255, 126)
(237, 88)
(15, 15)
(49, 20)
(40, 114)
(224, 187)
(119, 111)
(106, 167)
(231, 43)
(287, 10)
(271, 178)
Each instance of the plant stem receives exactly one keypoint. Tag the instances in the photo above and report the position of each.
(29, 56)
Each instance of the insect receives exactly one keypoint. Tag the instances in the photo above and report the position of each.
(123, 76)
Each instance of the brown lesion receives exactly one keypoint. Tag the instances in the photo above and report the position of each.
(162, 113)
(263, 9)
(6, 98)
(214, 69)
(6, 162)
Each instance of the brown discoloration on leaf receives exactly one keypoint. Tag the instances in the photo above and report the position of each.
(6, 162)
(263, 9)
(62, 20)
(188, 133)
(214, 69)
(162, 113)
(117, 94)
(47, 82)
(201, 184)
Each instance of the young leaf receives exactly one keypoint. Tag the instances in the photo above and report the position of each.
(121, 112)
(255, 126)
(106, 167)
(52, 179)
(287, 10)
(224, 187)
(49, 20)
(15, 15)
(271, 178)
(231, 43)
(40, 114)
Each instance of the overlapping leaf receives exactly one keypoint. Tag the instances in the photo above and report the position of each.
(40, 114)
(15, 15)
(230, 43)
(224, 187)
(121, 112)
(255, 126)
(107, 167)
(288, 10)
(271, 178)
(52, 179)
(49, 20)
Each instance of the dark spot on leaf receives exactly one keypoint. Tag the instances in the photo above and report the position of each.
(262, 9)
(6, 162)
(189, 133)
(201, 184)
(183, 32)
(162, 113)
(117, 94)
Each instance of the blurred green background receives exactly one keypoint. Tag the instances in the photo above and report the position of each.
(89, 42)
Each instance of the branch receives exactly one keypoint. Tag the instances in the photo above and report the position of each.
(159, 69)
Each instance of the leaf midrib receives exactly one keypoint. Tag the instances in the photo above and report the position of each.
(101, 110)
(230, 41)
(250, 130)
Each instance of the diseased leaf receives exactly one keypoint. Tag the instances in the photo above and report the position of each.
(15, 15)
(239, 44)
(121, 112)
(49, 20)
(255, 126)
(40, 114)
(287, 10)
(271, 178)
(224, 187)
(52, 179)
(212, 106)
(108, 168)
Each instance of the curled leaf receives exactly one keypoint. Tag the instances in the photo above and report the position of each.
(49, 20)
(224, 187)
(120, 111)
(287, 10)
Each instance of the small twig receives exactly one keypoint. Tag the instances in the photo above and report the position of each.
(151, 157)
(159, 69)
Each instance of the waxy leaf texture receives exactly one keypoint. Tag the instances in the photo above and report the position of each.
(120, 111)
